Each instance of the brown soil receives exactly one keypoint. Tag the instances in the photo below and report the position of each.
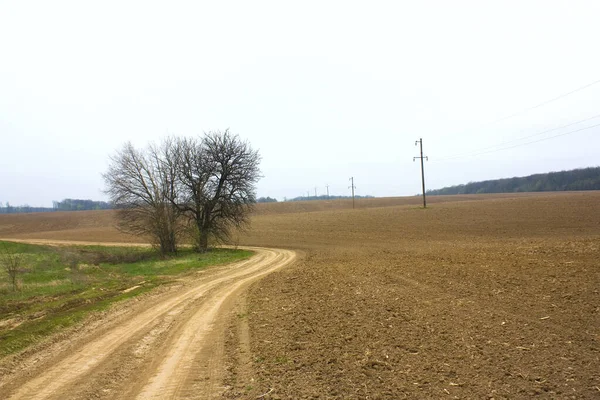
(498, 298)
(475, 297)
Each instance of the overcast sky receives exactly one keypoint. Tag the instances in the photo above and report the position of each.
(325, 90)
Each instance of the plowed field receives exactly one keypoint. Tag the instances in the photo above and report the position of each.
(475, 297)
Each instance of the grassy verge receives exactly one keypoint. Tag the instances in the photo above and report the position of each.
(59, 286)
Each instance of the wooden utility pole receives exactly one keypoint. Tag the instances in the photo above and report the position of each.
(352, 187)
(420, 141)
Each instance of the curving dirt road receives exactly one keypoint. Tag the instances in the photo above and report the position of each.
(167, 347)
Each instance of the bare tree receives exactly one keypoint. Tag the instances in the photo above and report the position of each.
(141, 185)
(206, 185)
(217, 175)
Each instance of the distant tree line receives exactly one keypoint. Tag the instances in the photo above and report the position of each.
(576, 179)
(65, 205)
(266, 200)
(325, 197)
(8, 208)
(80, 205)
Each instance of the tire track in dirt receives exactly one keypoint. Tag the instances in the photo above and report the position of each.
(172, 365)
(172, 376)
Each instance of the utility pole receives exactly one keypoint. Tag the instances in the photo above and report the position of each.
(327, 186)
(308, 194)
(352, 187)
(420, 141)
(315, 191)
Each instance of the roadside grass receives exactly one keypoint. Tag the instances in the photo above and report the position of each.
(60, 285)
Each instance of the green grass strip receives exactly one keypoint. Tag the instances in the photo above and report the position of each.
(58, 286)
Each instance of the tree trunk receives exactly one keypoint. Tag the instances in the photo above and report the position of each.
(202, 237)
(202, 242)
(167, 241)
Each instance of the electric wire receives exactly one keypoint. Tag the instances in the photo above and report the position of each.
(527, 143)
(545, 102)
(477, 151)
(526, 110)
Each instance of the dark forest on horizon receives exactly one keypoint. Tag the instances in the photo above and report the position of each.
(572, 180)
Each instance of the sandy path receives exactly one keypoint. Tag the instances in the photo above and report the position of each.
(171, 348)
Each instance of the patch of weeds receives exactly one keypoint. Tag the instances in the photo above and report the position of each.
(281, 360)
(97, 255)
(61, 317)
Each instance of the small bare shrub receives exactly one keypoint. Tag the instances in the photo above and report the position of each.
(11, 262)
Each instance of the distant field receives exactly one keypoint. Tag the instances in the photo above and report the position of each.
(94, 226)
(480, 296)
(99, 226)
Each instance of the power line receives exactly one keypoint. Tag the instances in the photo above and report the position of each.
(551, 137)
(534, 141)
(526, 110)
(545, 102)
(477, 151)
(546, 131)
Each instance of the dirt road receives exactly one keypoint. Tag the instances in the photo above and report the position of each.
(165, 347)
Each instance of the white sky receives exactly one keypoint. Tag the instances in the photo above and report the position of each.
(325, 90)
